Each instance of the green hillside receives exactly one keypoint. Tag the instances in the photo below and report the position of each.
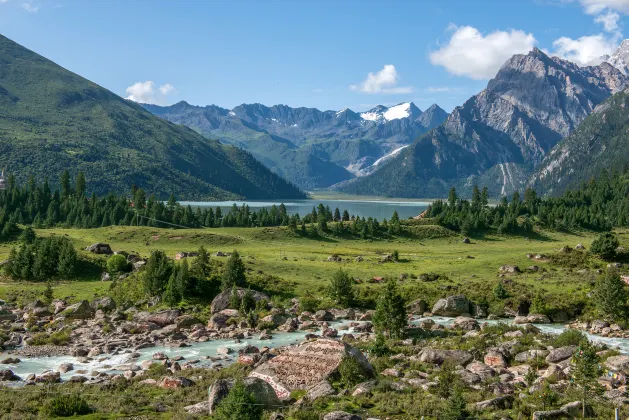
(600, 143)
(52, 119)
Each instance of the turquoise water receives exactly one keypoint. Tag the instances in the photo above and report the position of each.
(37, 365)
(363, 208)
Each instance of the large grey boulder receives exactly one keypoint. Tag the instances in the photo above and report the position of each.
(81, 310)
(221, 301)
(618, 363)
(161, 318)
(531, 355)
(322, 389)
(562, 353)
(452, 306)
(106, 304)
(417, 307)
(502, 402)
(100, 248)
(437, 357)
(261, 390)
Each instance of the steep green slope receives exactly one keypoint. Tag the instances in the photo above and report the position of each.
(600, 143)
(52, 119)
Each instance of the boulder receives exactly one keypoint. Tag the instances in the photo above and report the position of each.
(437, 357)
(65, 367)
(261, 390)
(495, 359)
(324, 316)
(466, 241)
(561, 353)
(306, 365)
(100, 248)
(106, 304)
(276, 319)
(502, 403)
(531, 355)
(322, 389)
(170, 382)
(81, 310)
(186, 321)
(221, 301)
(618, 363)
(7, 375)
(510, 269)
(218, 321)
(417, 307)
(538, 319)
(49, 377)
(481, 369)
(452, 306)
(341, 415)
(465, 323)
(550, 415)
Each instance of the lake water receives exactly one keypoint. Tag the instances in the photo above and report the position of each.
(363, 208)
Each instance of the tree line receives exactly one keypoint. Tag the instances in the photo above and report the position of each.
(599, 204)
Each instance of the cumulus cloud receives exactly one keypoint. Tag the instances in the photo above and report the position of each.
(586, 50)
(29, 7)
(470, 53)
(149, 93)
(609, 21)
(594, 7)
(383, 81)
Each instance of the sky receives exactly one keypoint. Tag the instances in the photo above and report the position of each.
(328, 54)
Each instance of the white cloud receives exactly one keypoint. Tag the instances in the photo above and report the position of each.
(595, 7)
(469, 53)
(442, 89)
(30, 8)
(609, 21)
(149, 93)
(383, 81)
(586, 50)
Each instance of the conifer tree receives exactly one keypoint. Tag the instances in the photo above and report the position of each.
(234, 273)
(611, 296)
(341, 288)
(390, 316)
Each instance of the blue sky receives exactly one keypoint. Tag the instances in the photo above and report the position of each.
(306, 53)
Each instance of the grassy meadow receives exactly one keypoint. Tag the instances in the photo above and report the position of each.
(302, 261)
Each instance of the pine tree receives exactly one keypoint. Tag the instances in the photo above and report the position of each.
(80, 185)
(48, 292)
(341, 288)
(611, 296)
(455, 407)
(28, 235)
(67, 260)
(585, 371)
(156, 273)
(234, 273)
(172, 295)
(201, 265)
(247, 303)
(605, 245)
(390, 316)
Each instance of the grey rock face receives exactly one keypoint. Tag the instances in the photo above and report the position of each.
(452, 306)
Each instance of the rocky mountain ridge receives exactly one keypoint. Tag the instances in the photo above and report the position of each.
(498, 136)
(313, 148)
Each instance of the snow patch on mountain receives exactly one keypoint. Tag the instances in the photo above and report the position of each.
(398, 111)
(620, 58)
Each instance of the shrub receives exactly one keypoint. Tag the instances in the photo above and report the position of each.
(605, 245)
(308, 303)
(569, 337)
(238, 404)
(58, 338)
(66, 406)
(117, 264)
(395, 255)
(380, 347)
(352, 372)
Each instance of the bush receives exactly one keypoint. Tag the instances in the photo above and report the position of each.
(380, 347)
(569, 337)
(58, 338)
(66, 406)
(239, 404)
(342, 288)
(117, 264)
(395, 255)
(308, 303)
(605, 245)
(352, 372)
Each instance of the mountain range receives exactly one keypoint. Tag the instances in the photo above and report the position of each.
(498, 137)
(52, 119)
(312, 148)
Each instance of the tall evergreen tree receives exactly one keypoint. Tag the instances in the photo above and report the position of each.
(341, 288)
(611, 296)
(390, 316)
(234, 273)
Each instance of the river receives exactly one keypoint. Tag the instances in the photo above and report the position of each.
(363, 208)
(202, 351)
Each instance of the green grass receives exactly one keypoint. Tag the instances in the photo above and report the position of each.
(279, 252)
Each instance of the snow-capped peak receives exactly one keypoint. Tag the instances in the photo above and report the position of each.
(620, 58)
(382, 114)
